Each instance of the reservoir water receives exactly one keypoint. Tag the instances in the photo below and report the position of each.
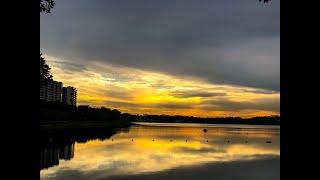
(164, 151)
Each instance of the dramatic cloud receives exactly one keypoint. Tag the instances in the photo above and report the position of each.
(195, 93)
(145, 92)
(178, 57)
(204, 150)
(171, 105)
(223, 42)
(270, 104)
(260, 91)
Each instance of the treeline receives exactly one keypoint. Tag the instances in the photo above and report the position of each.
(57, 112)
(268, 120)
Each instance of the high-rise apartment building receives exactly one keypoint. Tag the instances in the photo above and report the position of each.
(69, 95)
(51, 91)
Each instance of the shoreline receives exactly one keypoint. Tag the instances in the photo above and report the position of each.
(196, 124)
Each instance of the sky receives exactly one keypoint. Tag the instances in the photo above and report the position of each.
(207, 58)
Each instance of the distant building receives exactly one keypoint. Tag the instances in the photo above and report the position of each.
(49, 157)
(69, 95)
(67, 152)
(51, 91)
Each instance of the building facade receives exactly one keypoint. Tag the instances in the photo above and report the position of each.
(67, 152)
(51, 91)
(69, 95)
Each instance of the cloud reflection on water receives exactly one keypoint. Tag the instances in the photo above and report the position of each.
(169, 150)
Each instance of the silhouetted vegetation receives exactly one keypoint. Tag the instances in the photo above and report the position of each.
(45, 75)
(46, 5)
(268, 120)
(55, 112)
(264, 1)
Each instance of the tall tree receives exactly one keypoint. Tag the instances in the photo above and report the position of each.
(46, 5)
(45, 75)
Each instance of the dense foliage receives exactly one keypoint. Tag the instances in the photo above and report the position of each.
(46, 5)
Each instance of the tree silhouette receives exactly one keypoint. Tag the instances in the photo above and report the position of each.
(264, 1)
(45, 75)
(46, 5)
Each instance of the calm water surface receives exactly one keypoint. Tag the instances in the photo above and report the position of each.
(150, 148)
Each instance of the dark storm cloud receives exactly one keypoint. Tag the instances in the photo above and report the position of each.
(169, 105)
(120, 103)
(172, 105)
(119, 94)
(270, 104)
(194, 93)
(260, 91)
(161, 85)
(227, 42)
(203, 150)
(70, 66)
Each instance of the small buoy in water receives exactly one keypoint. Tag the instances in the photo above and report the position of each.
(268, 142)
(207, 141)
(205, 130)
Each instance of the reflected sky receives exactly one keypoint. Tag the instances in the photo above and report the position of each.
(147, 149)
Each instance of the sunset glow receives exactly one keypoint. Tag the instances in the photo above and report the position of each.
(144, 92)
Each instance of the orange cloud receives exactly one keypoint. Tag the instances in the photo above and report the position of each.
(144, 92)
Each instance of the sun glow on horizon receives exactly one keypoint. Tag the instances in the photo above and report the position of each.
(144, 92)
